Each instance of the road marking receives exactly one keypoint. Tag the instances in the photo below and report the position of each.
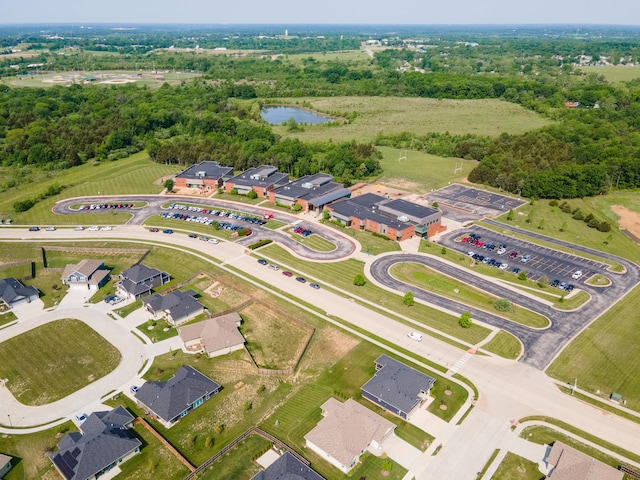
(461, 362)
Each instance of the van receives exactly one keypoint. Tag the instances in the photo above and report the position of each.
(273, 266)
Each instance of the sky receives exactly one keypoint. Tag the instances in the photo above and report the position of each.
(425, 12)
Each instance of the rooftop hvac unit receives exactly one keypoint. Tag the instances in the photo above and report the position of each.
(307, 185)
(201, 174)
(255, 176)
(403, 218)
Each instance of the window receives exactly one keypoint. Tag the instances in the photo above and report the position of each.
(184, 413)
(198, 402)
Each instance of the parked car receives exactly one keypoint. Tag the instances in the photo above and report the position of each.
(314, 285)
(576, 275)
(106, 228)
(415, 336)
(555, 283)
(562, 286)
(262, 261)
(569, 288)
(134, 389)
(79, 228)
(513, 254)
(81, 417)
(504, 266)
(50, 229)
(213, 240)
(273, 266)
(34, 229)
(167, 231)
(109, 298)
(192, 235)
(154, 230)
(287, 274)
(301, 279)
(515, 271)
(94, 228)
(525, 258)
(501, 251)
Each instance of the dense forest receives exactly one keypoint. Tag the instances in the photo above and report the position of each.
(586, 151)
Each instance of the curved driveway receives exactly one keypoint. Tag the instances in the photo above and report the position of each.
(540, 345)
(344, 246)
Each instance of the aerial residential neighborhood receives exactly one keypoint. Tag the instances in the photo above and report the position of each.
(405, 250)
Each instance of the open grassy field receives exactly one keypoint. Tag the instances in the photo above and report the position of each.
(504, 344)
(340, 275)
(30, 461)
(576, 231)
(69, 355)
(440, 284)
(370, 244)
(420, 172)
(314, 242)
(131, 175)
(614, 74)
(416, 115)
(237, 464)
(153, 462)
(606, 356)
(514, 467)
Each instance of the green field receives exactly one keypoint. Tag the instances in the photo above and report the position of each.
(514, 467)
(236, 464)
(371, 244)
(606, 356)
(420, 172)
(417, 115)
(614, 74)
(133, 175)
(440, 284)
(504, 344)
(69, 355)
(340, 276)
(314, 242)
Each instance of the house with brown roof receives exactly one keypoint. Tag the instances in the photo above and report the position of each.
(570, 464)
(214, 337)
(86, 275)
(347, 430)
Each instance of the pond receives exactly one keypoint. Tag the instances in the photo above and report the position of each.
(279, 115)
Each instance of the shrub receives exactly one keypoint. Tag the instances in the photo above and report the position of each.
(259, 244)
(359, 280)
(588, 218)
(443, 251)
(522, 276)
(553, 203)
(169, 184)
(543, 281)
(465, 320)
(297, 207)
(243, 232)
(252, 194)
(510, 215)
(408, 299)
(565, 207)
(502, 305)
(23, 205)
(593, 223)
(604, 226)
(234, 191)
(578, 215)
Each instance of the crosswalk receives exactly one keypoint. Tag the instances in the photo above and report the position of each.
(461, 362)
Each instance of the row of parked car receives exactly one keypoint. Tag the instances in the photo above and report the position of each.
(218, 213)
(305, 232)
(286, 273)
(99, 206)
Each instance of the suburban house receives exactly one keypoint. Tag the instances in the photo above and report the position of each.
(86, 275)
(214, 337)
(13, 293)
(259, 179)
(348, 430)
(103, 443)
(311, 192)
(397, 219)
(139, 280)
(177, 307)
(205, 176)
(5, 464)
(570, 464)
(397, 387)
(287, 467)
(175, 398)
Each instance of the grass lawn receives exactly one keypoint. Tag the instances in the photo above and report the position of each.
(416, 115)
(135, 174)
(314, 242)
(504, 344)
(129, 309)
(184, 226)
(576, 231)
(160, 330)
(237, 464)
(114, 260)
(69, 356)
(514, 467)
(227, 297)
(274, 224)
(238, 198)
(432, 281)
(30, 461)
(18, 271)
(543, 435)
(7, 317)
(606, 356)
(613, 74)
(370, 244)
(340, 276)
(420, 172)
(153, 462)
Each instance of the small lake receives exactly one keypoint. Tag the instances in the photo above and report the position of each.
(278, 115)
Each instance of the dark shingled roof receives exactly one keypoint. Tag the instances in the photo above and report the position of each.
(361, 207)
(308, 187)
(139, 273)
(178, 304)
(263, 176)
(106, 439)
(169, 399)
(212, 170)
(11, 291)
(398, 384)
(409, 208)
(287, 467)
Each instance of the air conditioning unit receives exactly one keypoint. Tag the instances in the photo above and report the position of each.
(201, 174)
(403, 218)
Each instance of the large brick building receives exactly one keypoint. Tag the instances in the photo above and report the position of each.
(396, 219)
(259, 179)
(205, 176)
(311, 192)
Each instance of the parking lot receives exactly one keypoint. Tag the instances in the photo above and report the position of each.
(474, 201)
(535, 260)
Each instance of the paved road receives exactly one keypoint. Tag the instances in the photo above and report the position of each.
(541, 345)
(344, 246)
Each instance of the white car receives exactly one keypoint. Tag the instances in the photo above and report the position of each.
(106, 228)
(50, 229)
(93, 228)
(577, 274)
(213, 240)
(79, 228)
(81, 417)
(504, 266)
(415, 336)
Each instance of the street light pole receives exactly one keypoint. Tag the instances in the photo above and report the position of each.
(10, 424)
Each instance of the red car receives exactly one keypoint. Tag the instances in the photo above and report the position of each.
(287, 274)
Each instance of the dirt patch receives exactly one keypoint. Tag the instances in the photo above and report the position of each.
(385, 190)
(328, 346)
(629, 220)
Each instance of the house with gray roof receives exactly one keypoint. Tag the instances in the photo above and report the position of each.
(570, 464)
(346, 431)
(397, 387)
(13, 293)
(259, 179)
(287, 467)
(86, 275)
(172, 400)
(5, 464)
(213, 337)
(104, 441)
(139, 281)
(205, 176)
(177, 307)
(311, 192)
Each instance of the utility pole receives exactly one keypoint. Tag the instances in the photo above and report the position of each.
(575, 385)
